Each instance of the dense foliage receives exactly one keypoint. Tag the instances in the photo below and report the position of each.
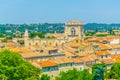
(40, 27)
(34, 34)
(51, 28)
(2, 35)
(44, 77)
(101, 27)
(114, 72)
(40, 35)
(90, 33)
(98, 71)
(4, 40)
(75, 75)
(102, 35)
(14, 67)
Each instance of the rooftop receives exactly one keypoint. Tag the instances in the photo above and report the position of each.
(47, 63)
(100, 53)
(107, 61)
(74, 22)
(62, 60)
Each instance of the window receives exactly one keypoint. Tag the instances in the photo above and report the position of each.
(81, 50)
(106, 56)
(101, 56)
(73, 31)
(38, 59)
(76, 41)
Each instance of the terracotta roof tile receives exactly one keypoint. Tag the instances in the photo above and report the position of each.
(105, 46)
(115, 45)
(100, 53)
(107, 61)
(77, 60)
(47, 63)
(62, 60)
(116, 57)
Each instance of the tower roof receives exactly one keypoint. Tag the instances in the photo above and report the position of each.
(74, 22)
(26, 33)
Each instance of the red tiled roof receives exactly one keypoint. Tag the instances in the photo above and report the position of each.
(77, 60)
(100, 53)
(116, 57)
(47, 63)
(107, 61)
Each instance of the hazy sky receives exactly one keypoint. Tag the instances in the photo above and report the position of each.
(37, 11)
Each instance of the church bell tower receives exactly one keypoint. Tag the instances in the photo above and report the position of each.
(26, 36)
(74, 29)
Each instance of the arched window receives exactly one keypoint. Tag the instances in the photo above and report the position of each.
(73, 31)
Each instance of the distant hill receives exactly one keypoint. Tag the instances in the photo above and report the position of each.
(51, 27)
(101, 27)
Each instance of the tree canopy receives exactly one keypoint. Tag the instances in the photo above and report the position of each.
(34, 34)
(44, 77)
(14, 67)
(2, 35)
(114, 71)
(75, 75)
(98, 71)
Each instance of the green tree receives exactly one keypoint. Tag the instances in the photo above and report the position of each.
(2, 35)
(45, 77)
(14, 67)
(21, 42)
(34, 34)
(90, 33)
(115, 71)
(102, 35)
(4, 40)
(41, 35)
(98, 71)
(112, 32)
(75, 75)
(48, 37)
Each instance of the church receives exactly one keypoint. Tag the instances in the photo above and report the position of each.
(73, 29)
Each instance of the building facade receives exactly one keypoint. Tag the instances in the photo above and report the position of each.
(73, 29)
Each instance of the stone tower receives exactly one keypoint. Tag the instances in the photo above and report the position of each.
(26, 36)
(74, 29)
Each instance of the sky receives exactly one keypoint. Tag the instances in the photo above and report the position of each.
(59, 11)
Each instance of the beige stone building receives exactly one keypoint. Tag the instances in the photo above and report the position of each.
(73, 29)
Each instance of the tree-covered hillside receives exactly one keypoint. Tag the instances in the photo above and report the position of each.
(52, 27)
